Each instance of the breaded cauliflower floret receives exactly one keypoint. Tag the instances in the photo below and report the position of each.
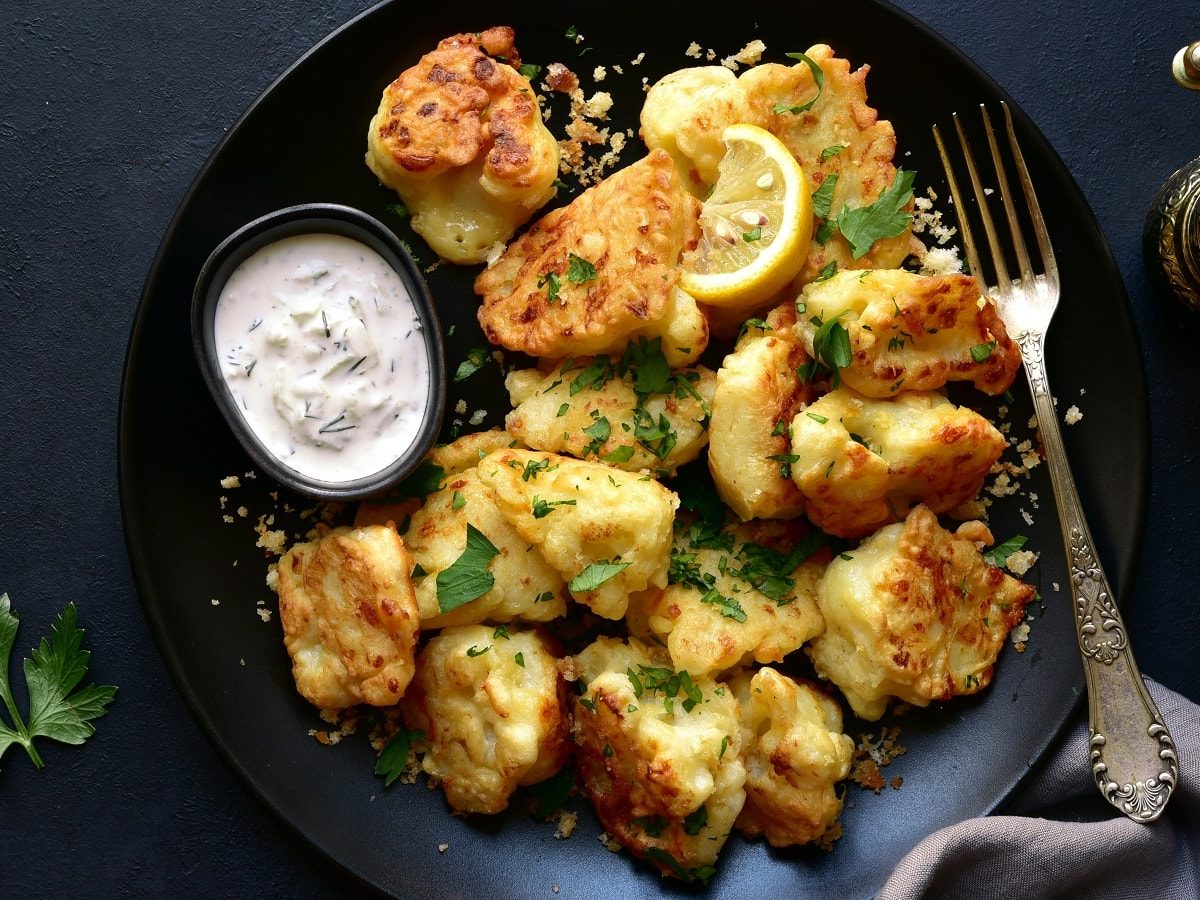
(758, 393)
(607, 532)
(349, 616)
(912, 332)
(915, 613)
(795, 753)
(840, 117)
(525, 585)
(658, 755)
(460, 137)
(617, 418)
(587, 278)
(685, 114)
(753, 597)
(492, 705)
(862, 463)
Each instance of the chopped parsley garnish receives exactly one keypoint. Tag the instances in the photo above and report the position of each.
(652, 826)
(551, 794)
(831, 345)
(550, 282)
(884, 218)
(825, 231)
(534, 466)
(896, 343)
(393, 759)
(819, 419)
(529, 70)
(657, 437)
(595, 575)
(594, 375)
(500, 632)
(760, 324)
(818, 79)
(544, 597)
(982, 352)
(467, 578)
(476, 357)
(579, 269)
(474, 651)
(399, 210)
(520, 658)
(426, 479)
(780, 429)
(785, 461)
(822, 198)
(724, 747)
(572, 33)
(999, 554)
(599, 432)
(694, 822)
(562, 410)
(624, 453)
(542, 508)
(727, 606)
(832, 151)
(827, 271)
(458, 501)
(754, 234)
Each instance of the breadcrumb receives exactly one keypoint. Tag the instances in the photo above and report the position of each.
(599, 73)
(216, 602)
(1073, 415)
(747, 56)
(693, 50)
(637, 60)
(1020, 637)
(442, 848)
(231, 481)
(264, 614)
(1020, 562)
(566, 825)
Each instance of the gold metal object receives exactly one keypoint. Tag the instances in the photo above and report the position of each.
(1186, 66)
(1133, 756)
(1171, 238)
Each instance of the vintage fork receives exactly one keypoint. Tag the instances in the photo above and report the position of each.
(1131, 751)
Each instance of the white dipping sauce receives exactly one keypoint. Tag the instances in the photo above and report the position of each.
(321, 347)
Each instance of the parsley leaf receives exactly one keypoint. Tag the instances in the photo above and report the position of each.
(595, 376)
(983, 352)
(476, 357)
(57, 667)
(542, 508)
(818, 79)
(831, 344)
(728, 606)
(399, 210)
(550, 282)
(694, 823)
(827, 271)
(426, 479)
(595, 575)
(822, 197)
(624, 453)
(832, 150)
(393, 759)
(467, 578)
(755, 234)
(999, 554)
(530, 71)
(825, 232)
(551, 794)
(579, 269)
(884, 218)
(474, 651)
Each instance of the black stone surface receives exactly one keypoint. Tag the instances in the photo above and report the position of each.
(107, 113)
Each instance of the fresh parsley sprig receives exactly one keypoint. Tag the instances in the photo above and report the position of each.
(56, 709)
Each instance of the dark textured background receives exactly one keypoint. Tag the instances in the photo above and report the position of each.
(106, 114)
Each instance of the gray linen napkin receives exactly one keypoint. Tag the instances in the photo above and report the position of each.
(1059, 838)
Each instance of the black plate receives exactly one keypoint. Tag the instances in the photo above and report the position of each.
(303, 141)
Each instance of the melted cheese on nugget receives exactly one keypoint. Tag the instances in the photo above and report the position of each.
(912, 332)
(590, 521)
(750, 597)
(658, 755)
(492, 705)
(349, 616)
(915, 613)
(611, 420)
(460, 137)
(589, 277)
(862, 463)
(757, 394)
(795, 754)
(525, 585)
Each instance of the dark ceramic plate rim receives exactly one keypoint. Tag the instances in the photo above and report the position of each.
(318, 218)
(137, 549)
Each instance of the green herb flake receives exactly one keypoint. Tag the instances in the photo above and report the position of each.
(476, 357)
(594, 375)
(595, 575)
(562, 410)
(589, 705)
(846, 556)
(393, 758)
(727, 606)
(621, 454)
(551, 794)
(399, 210)
(635, 683)
(520, 658)
(550, 282)
(999, 554)
(754, 234)
(825, 231)
(831, 345)
(827, 271)
(542, 508)
(458, 501)
(884, 218)
(832, 151)
(572, 33)
(534, 466)
(56, 710)
(467, 578)
(426, 479)
(818, 79)
(982, 352)
(544, 597)
(819, 419)
(530, 71)
(579, 270)
(501, 632)
(651, 826)
(724, 747)
(822, 198)
(695, 822)
(785, 461)
(474, 651)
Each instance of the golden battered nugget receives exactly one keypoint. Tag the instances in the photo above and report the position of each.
(912, 332)
(916, 613)
(460, 137)
(587, 278)
(349, 616)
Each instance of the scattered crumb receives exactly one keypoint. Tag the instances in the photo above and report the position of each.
(873, 753)
(1082, 391)
(637, 60)
(460, 407)
(554, 887)
(1073, 415)
(1020, 637)
(618, 69)
(599, 73)
(264, 614)
(442, 848)
(1020, 562)
(897, 782)
(1056, 587)
(224, 501)
(495, 252)
(693, 50)
(988, 192)
(243, 511)
(598, 105)
(231, 481)
(561, 79)
(476, 417)
(940, 261)
(241, 662)
(228, 519)
(273, 576)
(747, 56)
(216, 602)
(611, 844)
(566, 825)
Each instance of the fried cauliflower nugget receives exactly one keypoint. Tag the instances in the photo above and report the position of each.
(349, 616)
(658, 755)
(758, 393)
(912, 332)
(584, 514)
(915, 613)
(751, 597)
(493, 707)
(862, 463)
(660, 428)
(685, 114)
(795, 754)
(587, 278)
(839, 118)
(459, 136)
(525, 585)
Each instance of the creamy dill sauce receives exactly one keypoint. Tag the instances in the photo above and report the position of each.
(321, 347)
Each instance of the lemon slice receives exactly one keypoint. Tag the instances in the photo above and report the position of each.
(755, 225)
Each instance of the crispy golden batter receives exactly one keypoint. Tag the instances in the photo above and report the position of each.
(862, 463)
(552, 414)
(661, 767)
(916, 613)
(795, 754)
(913, 332)
(526, 586)
(757, 395)
(583, 513)
(841, 117)
(349, 617)
(765, 603)
(492, 705)
(460, 137)
(632, 227)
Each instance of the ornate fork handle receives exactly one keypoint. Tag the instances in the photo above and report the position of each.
(1132, 753)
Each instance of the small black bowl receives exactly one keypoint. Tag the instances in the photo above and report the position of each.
(317, 218)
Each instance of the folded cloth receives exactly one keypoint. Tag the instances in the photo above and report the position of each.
(1060, 838)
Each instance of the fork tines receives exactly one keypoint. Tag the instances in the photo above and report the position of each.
(1027, 276)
